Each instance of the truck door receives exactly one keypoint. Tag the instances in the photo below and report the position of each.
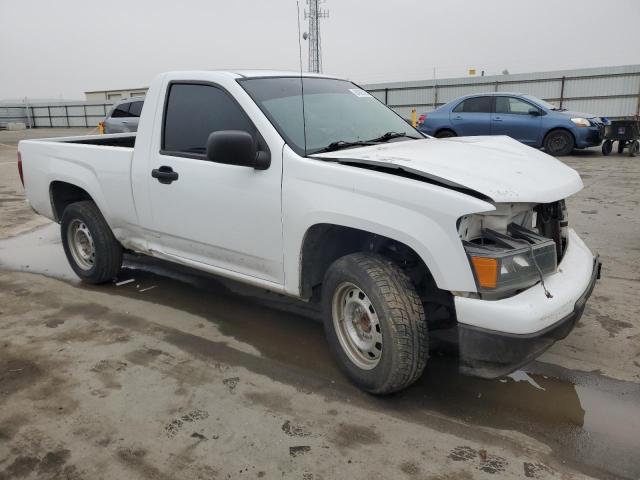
(516, 118)
(472, 116)
(225, 216)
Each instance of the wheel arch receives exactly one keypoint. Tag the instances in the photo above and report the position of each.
(555, 129)
(443, 129)
(323, 243)
(62, 194)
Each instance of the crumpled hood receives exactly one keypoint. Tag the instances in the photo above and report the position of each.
(498, 167)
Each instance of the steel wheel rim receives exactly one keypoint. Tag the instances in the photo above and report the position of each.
(81, 244)
(357, 326)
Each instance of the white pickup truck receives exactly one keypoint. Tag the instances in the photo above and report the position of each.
(310, 187)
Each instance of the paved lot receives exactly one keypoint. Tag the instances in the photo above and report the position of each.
(180, 375)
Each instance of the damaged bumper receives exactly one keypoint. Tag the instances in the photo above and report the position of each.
(496, 337)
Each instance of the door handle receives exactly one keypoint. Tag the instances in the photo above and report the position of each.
(457, 117)
(164, 174)
(125, 121)
(497, 119)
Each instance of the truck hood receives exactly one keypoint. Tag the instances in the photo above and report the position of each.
(497, 167)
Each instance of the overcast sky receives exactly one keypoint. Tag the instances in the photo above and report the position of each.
(63, 48)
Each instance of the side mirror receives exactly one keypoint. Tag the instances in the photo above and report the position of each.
(236, 147)
(534, 111)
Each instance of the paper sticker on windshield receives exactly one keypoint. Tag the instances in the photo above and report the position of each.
(358, 92)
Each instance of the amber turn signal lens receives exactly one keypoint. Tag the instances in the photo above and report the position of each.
(486, 271)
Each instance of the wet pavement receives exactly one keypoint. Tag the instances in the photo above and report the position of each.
(590, 422)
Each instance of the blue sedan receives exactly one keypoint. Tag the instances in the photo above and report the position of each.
(527, 119)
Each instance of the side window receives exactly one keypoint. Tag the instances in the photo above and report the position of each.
(194, 111)
(474, 105)
(121, 110)
(135, 109)
(512, 105)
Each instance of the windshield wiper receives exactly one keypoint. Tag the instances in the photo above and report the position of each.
(340, 144)
(391, 135)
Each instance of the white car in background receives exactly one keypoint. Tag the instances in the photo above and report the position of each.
(124, 116)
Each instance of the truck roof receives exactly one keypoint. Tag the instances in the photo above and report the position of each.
(256, 73)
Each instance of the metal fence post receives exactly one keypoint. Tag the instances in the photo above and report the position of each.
(66, 114)
(562, 90)
(50, 119)
(435, 96)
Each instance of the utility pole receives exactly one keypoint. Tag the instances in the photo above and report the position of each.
(314, 14)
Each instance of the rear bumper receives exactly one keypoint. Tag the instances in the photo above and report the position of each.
(522, 327)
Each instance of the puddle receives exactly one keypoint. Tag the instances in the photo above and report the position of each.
(590, 421)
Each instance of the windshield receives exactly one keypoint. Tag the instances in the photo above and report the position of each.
(542, 103)
(337, 114)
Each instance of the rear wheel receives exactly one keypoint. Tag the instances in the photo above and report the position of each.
(607, 146)
(633, 148)
(446, 134)
(374, 322)
(559, 143)
(91, 249)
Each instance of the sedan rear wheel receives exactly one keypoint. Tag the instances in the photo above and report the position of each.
(446, 134)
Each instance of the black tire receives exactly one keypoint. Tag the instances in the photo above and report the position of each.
(633, 148)
(446, 134)
(607, 146)
(559, 143)
(399, 311)
(106, 260)
(621, 145)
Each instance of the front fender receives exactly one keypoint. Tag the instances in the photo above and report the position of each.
(419, 214)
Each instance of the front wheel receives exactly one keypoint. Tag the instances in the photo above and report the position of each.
(634, 146)
(559, 143)
(374, 322)
(92, 251)
(607, 146)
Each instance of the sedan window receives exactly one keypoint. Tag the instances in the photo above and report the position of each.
(512, 105)
(474, 105)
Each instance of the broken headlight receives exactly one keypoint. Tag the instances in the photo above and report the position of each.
(503, 264)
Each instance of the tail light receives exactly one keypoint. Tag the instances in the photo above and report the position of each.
(422, 118)
(20, 168)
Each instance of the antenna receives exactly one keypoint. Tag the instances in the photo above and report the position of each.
(304, 122)
(314, 15)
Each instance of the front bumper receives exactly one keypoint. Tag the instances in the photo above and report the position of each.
(588, 136)
(495, 338)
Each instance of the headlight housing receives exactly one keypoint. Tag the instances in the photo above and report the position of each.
(506, 263)
(581, 122)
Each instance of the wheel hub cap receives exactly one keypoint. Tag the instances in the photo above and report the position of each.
(81, 244)
(357, 326)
